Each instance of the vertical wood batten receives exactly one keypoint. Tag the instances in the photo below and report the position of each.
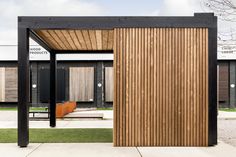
(116, 96)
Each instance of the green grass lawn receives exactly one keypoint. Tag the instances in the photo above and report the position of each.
(8, 108)
(14, 108)
(41, 108)
(228, 109)
(59, 135)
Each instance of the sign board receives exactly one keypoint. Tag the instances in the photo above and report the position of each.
(38, 53)
(226, 50)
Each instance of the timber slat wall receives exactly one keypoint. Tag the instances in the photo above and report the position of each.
(109, 82)
(2, 84)
(161, 89)
(224, 82)
(8, 84)
(81, 84)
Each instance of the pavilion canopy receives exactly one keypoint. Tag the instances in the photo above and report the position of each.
(77, 39)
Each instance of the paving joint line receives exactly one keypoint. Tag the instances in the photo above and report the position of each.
(139, 152)
(33, 150)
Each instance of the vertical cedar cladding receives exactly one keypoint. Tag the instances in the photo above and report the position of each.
(161, 87)
(224, 82)
(109, 82)
(8, 84)
(81, 84)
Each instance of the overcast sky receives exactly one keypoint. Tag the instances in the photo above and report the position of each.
(10, 9)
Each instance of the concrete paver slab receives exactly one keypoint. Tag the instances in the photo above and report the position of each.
(107, 114)
(84, 150)
(220, 150)
(12, 150)
(8, 115)
(107, 150)
(226, 115)
(90, 124)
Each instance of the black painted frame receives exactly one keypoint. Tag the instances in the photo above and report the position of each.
(27, 26)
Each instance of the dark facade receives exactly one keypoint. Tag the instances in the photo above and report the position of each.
(226, 83)
(40, 82)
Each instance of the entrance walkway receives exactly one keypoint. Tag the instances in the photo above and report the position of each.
(8, 119)
(107, 150)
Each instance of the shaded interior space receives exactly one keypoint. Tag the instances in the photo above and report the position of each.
(85, 85)
(84, 74)
(88, 83)
(226, 83)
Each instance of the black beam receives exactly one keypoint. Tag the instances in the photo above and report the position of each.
(53, 81)
(82, 51)
(23, 86)
(84, 22)
(37, 39)
(212, 81)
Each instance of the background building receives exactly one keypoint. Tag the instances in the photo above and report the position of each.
(84, 78)
(227, 73)
(88, 78)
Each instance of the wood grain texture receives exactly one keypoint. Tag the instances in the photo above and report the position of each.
(109, 81)
(81, 85)
(2, 84)
(224, 81)
(161, 87)
(78, 39)
(11, 85)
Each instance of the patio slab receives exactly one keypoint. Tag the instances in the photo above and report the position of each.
(220, 150)
(107, 150)
(12, 150)
(84, 150)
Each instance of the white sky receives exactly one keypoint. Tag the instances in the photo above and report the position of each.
(10, 9)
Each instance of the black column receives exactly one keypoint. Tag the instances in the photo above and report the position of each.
(212, 79)
(53, 81)
(99, 85)
(23, 86)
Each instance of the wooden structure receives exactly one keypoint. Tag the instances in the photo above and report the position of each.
(162, 89)
(78, 39)
(164, 73)
(109, 80)
(81, 83)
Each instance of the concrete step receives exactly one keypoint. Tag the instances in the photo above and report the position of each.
(84, 115)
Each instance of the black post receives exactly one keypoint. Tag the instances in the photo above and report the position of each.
(99, 85)
(23, 86)
(212, 79)
(53, 81)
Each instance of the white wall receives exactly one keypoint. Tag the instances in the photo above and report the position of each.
(37, 53)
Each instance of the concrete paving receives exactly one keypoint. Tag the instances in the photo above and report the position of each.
(226, 115)
(220, 150)
(107, 150)
(12, 150)
(107, 114)
(227, 131)
(8, 119)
